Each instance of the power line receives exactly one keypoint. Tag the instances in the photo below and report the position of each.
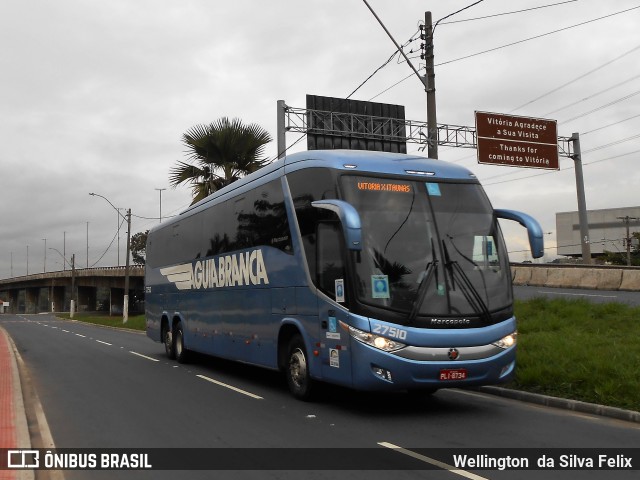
(618, 100)
(632, 137)
(610, 125)
(567, 169)
(525, 40)
(536, 36)
(577, 78)
(109, 246)
(508, 13)
(387, 62)
(593, 95)
(392, 86)
(455, 13)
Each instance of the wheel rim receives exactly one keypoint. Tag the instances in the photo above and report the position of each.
(178, 343)
(168, 339)
(298, 368)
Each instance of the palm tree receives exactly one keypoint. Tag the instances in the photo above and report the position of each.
(221, 153)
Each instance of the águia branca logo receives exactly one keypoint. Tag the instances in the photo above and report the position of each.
(224, 271)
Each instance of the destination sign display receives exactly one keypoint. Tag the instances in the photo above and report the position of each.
(384, 187)
(517, 141)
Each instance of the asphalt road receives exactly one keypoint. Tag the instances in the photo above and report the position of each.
(107, 388)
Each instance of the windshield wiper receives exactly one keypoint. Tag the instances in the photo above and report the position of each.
(422, 289)
(468, 290)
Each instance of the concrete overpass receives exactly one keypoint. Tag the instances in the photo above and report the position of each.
(94, 289)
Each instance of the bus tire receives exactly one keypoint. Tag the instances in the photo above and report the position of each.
(167, 339)
(181, 353)
(297, 369)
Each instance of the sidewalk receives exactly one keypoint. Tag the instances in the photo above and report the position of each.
(14, 431)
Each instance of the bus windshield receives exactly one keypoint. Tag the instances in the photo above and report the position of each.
(429, 249)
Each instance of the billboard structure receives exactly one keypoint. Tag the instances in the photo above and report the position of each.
(334, 123)
(517, 141)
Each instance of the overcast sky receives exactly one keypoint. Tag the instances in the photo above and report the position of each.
(95, 97)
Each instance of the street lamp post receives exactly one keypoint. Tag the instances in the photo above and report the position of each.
(73, 278)
(125, 308)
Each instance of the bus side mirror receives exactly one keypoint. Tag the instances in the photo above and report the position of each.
(536, 238)
(349, 219)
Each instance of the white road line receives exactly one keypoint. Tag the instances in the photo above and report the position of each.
(78, 335)
(432, 461)
(104, 343)
(231, 387)
(66, 331)
(144, 356)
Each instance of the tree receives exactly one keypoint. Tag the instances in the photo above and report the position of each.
(219, 154)
(139, 247)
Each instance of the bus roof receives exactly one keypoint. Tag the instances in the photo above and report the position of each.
(378, 162)
(348, 160)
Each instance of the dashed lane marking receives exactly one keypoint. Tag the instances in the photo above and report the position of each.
(230, 387)
(144, 356)
(432, 461)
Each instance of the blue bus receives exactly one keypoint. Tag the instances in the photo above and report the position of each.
(371, 270)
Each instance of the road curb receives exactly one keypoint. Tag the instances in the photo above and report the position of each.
(563, 403)
(20, 425)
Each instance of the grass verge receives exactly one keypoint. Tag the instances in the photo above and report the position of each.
(579, 350)
(135, 322)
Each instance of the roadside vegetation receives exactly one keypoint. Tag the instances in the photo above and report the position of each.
(579, 350)
(135, 322)
(566, 348)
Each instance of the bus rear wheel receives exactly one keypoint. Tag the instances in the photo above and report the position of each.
(169, 346)
(297, 369)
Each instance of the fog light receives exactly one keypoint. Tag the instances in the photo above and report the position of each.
(506, 370)
(382, 373)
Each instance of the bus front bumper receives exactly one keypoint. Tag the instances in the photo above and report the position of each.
(410, 370)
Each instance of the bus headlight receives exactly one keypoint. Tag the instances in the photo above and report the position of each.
(381, 343)
(508, 341)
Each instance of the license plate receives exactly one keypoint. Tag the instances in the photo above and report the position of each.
(453, 374)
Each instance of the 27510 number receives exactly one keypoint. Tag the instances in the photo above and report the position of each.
(393, 332)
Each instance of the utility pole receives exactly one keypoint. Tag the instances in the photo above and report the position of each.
(582, 203)
(44, 270)
(72, 308)
(125, 307)
(430, 88)
(281, 140)
(160, 190)
(627, 220)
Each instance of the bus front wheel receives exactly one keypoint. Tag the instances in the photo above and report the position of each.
(180, 352)
(297, 369)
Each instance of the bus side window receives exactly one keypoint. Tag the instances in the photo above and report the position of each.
(329, 256)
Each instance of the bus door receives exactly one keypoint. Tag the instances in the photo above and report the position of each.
(331, 280)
